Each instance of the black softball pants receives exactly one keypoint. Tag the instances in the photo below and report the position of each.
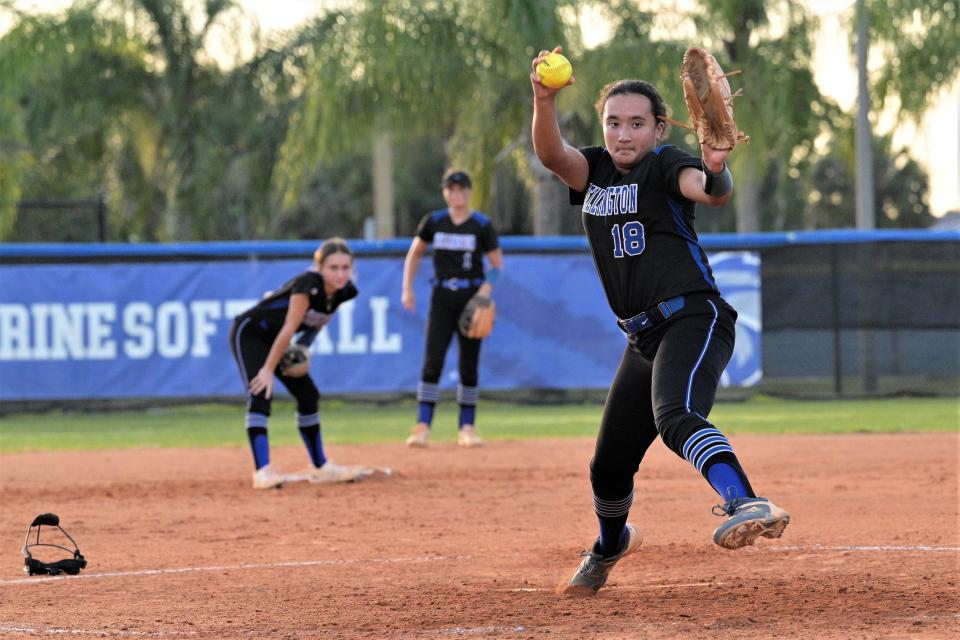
(250, 346)
(665, 385)
(445, 309)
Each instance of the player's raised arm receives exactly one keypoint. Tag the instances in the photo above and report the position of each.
(563, 160)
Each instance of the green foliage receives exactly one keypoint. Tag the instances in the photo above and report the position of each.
(501, 94)
(67, 81)
(122, 97)
(900, 186)
(376, 69)
(919, 42)
(781, 107)
(352, 423)
(418, 71)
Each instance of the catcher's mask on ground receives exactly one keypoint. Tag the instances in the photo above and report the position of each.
(32, 566)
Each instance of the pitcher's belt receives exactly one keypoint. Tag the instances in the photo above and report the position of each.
(652, 316)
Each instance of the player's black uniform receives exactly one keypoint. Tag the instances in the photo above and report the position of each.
(255, 329)
(458, 251)
(680, 331)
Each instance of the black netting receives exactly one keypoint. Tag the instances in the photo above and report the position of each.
(59, 221)
(906, 285)
(861, 319)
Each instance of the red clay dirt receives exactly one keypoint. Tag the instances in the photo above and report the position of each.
(471, 543)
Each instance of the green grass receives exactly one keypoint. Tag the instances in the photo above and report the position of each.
(356, 423)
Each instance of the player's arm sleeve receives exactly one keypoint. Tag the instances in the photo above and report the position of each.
(425, 229)
(303, 283)
(349, 292)
(592, 154)
(489, 240)
(672, 161)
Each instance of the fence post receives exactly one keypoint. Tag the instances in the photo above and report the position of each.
(101, 217)
(835, 306)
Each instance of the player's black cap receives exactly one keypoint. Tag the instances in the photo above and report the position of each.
(455, 176)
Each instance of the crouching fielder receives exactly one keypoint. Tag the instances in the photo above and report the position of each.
(260, 336)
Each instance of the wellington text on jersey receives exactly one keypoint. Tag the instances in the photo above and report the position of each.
(171, 329)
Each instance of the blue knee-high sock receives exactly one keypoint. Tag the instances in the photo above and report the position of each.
(710, 453)
(612, 516)
(467, 396)
(425, 412)
(427, 395)
(468, 415)
(257, 435)
(728, 481)
(259, 445)
(310, 432)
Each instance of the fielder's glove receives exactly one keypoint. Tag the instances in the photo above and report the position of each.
(295, 362)
(476, 319)
(709, 101)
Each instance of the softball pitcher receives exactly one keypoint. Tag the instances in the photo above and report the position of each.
(260, 336)
(638, 197)
(461, 237)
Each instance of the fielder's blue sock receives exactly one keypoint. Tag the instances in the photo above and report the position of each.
(468, 414)
(425, 412)
(728, 481)
(259, 445)
(313, 438)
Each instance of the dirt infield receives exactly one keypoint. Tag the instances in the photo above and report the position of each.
(471, 543)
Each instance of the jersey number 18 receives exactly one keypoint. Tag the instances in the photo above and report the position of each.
(627, 240)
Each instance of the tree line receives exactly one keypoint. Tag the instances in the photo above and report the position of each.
(353, 116)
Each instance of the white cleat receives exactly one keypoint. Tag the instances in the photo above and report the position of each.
(267, 478)
(468, 437)
(419, 437)
(332, 472)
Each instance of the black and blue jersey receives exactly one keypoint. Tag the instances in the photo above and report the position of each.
(641, 230)
(458, 249)
(268, 314)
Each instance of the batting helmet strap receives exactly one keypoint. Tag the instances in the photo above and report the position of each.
(33, 566)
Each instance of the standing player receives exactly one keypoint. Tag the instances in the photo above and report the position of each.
(638, 198)
(260, 336)
(461, 237)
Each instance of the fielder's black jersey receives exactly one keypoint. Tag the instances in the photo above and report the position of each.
(640, 230)
(458, 249)
(269, 313)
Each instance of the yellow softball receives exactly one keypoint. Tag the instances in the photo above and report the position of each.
(554, 70)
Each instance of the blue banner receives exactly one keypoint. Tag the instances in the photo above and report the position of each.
(76, 331)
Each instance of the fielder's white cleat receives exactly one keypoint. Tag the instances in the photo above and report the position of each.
(332, 472)
(267, 478)
(467, 437)
(419, 437)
